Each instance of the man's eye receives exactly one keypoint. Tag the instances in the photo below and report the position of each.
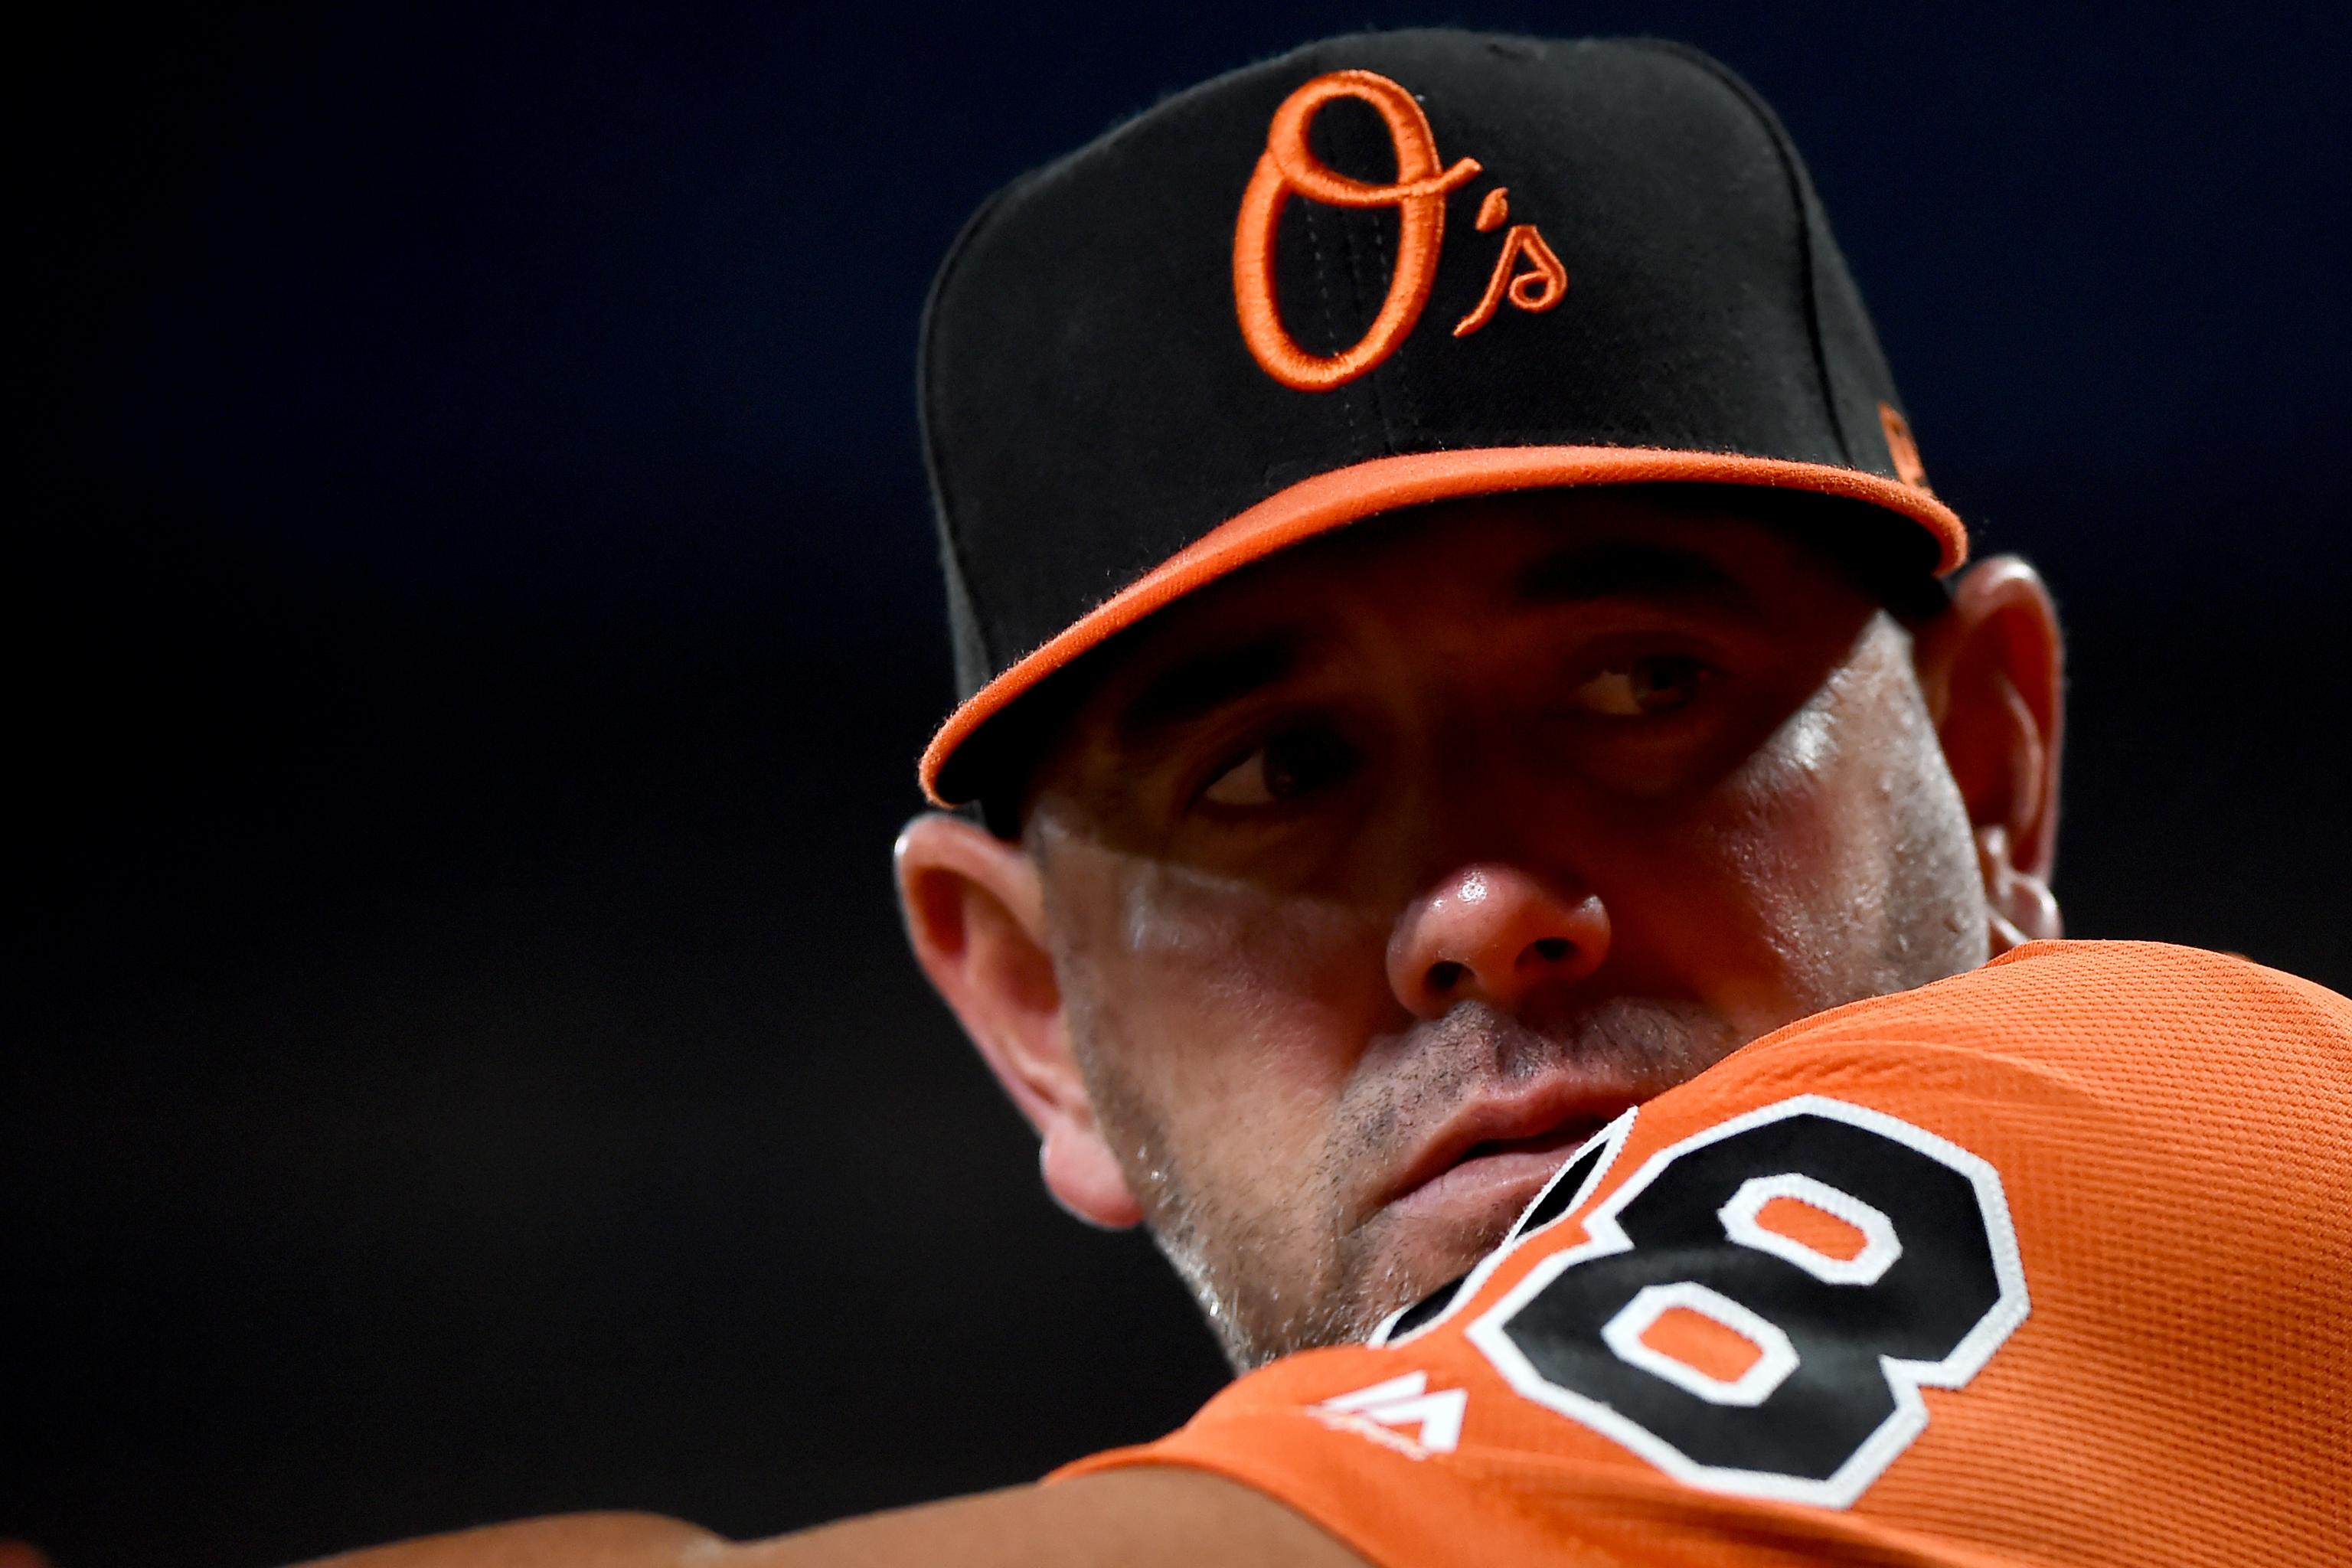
(1285, 766)
(1638, 688)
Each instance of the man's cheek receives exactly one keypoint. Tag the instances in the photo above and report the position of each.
(1237, 1060)
(1255, 1009)
(1804, 839)
(1740, 894)
(1256, 956)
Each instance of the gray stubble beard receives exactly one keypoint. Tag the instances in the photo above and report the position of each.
(1221, 1252)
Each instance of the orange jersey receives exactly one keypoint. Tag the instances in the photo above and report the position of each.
(2047, 1263)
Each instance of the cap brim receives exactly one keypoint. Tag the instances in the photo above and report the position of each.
(1342, 496)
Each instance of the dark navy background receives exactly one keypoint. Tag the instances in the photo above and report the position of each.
(473, 621)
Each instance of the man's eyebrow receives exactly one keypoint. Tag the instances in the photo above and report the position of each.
(1641, 571)
(1198, 685)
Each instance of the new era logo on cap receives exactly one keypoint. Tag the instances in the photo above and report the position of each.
(1258, 311)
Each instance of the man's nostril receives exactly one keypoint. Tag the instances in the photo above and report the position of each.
(1552, 948)
(1445, 974)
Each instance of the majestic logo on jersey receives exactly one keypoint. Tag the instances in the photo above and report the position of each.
(1385, 1411)
(1423, 180)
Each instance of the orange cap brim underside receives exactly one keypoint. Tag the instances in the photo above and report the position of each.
(1347, 495)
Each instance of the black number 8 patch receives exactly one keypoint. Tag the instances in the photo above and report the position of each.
(1755, 1309)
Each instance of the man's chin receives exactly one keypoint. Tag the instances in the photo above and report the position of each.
(1437, 1233)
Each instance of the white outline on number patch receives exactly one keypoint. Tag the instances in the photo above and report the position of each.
(1905, 1378)
(1775, 1358)
(1880, 1247)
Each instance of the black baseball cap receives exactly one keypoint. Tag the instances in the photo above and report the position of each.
(1376, 272)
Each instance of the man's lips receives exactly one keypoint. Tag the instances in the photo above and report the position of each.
(1499, 1150)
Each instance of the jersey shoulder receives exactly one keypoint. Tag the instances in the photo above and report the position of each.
(2079, 1002)
(2045, 1262)
(2199, 1056)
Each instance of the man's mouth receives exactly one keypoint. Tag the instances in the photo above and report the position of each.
(1488, 1162)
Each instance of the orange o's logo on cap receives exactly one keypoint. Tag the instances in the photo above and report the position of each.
(1287, 167)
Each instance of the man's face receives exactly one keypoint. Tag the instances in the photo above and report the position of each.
(1381, 873)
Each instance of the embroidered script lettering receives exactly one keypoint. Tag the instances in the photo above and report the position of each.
(1288, 168)
(1539, 287)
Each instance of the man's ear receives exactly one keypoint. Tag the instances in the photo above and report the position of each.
(975, 911)
(1992, 667)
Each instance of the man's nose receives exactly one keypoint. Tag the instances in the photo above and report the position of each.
(1492, 934)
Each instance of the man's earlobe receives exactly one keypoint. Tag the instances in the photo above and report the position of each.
(1083, 1176)
(1993, 670)
(975, 914)
(2019, 904)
